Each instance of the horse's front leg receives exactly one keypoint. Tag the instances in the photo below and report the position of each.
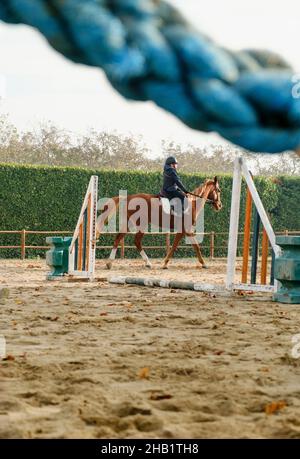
(170, 254)
(138, 243)
(113, 253)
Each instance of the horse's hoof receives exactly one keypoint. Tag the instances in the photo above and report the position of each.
(165, 267)
(148, 266)
(109, 265)
(205, 266)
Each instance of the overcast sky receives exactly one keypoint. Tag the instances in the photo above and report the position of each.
(42, 85)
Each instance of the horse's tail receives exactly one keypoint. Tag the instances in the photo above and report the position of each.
(109, 210)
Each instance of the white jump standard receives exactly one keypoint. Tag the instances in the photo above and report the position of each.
(241, 170)
(82, 251)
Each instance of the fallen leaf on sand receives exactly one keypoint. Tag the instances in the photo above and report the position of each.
(144, 373)
(160, 396)
(9, 357)
(273, 407)
(103, 313)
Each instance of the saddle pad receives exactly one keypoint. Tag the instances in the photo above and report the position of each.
(165, 205)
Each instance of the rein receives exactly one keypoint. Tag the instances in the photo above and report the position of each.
(209, 201)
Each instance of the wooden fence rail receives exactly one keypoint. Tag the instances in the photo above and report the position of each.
(213, 237)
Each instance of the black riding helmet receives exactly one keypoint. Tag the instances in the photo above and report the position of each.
(171, 160)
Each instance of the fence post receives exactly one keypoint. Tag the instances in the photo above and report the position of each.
(212, 244)
(23, 244)
(123, 248)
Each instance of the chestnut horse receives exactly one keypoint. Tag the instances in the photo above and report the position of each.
(209, 192)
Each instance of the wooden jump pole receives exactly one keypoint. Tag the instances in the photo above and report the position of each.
(247, 235)
(80, 238)
(264, 258)
(272, 276)
(255, 247)
(164, 283)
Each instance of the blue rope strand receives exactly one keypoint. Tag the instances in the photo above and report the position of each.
(150, 52)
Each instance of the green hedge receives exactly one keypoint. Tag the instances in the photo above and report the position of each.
(45, 198)
(286, 215)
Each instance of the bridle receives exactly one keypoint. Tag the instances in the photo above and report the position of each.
(209, 201)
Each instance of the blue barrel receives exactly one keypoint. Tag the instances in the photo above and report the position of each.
(287, 270)
(57, 258)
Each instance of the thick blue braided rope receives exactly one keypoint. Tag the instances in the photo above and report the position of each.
(150, 52)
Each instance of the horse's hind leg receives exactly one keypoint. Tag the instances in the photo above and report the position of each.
(197, 249)
(138, 243)
(113, 253)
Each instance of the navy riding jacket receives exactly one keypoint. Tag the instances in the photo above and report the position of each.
(172, 181)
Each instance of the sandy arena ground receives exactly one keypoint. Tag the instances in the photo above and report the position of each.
(106, 361)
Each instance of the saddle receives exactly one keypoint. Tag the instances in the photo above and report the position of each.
(166, 206)
(162, 195)
(165, 202)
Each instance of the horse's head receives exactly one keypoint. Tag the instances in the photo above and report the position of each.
(214, 195)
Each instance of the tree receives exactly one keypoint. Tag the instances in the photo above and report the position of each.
(50, 145)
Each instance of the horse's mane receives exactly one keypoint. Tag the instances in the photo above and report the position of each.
(201, 188)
